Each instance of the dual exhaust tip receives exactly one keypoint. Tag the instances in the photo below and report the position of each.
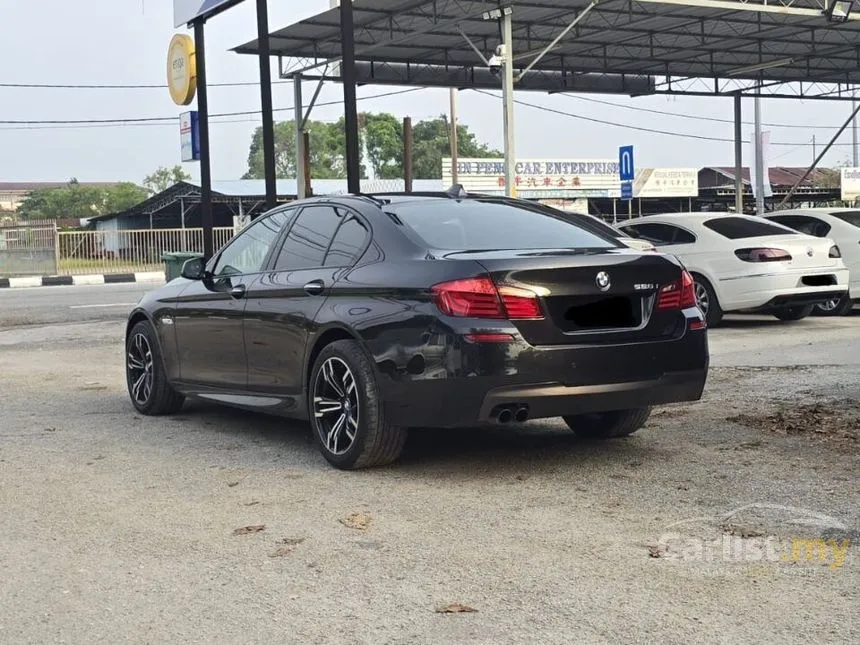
(517, 413)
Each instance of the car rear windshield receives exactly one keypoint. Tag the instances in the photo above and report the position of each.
(736, 228)
(477, 224)
(852, 217)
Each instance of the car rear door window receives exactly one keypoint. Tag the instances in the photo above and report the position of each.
(803, 224)
(737, 228)
(347, 244)
(308, 239)
(249, 249)
(851, 217)
(661, 234)
(474, 224)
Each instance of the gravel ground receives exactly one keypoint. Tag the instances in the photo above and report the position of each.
(223, 526)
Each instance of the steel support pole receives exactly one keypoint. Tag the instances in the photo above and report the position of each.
(508, 100)
(759, 161)
(300, 139)
(855, 151)
(739, 158)
(454, 146)
(205, 167)
(407, 154)
(347, 71)
(266, 103)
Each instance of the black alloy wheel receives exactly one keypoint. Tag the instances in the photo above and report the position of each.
(347, 417)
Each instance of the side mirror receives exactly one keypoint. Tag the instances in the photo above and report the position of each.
(194, 269)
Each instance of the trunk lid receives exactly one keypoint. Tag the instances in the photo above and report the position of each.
(807, 252)
(579, 307)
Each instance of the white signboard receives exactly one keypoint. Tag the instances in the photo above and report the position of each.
(184, 11)
(850, 182)
(666, 182)
(537, 178)
(570, 178)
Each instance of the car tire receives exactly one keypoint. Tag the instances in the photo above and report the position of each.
(343, 394)
(705, 294)
(148, 388)
(835, 307)
(607, 425)
(793, 313)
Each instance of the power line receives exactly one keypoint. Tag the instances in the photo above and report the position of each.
(700, 137)
(145, 86)
(172, 119)
(637, 108)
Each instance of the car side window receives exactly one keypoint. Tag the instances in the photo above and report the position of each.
(347, 244)
(308, 239)
(804, 224)
(661, 234)
(248, 250)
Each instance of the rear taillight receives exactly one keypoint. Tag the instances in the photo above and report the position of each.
(834, 252)
(480, 298)
(679, 294)
(763, 255)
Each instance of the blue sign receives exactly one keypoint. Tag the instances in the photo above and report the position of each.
(189, 134)
(626, 170)
(626, 190)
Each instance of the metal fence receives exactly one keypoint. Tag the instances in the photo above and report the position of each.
(84, 252)
(28, 251)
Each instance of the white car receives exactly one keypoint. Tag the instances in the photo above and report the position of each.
(842, 225)
(746, 263)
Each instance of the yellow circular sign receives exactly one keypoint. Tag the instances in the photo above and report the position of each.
(181, 69)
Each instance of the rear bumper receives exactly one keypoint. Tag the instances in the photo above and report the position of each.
(477, 380)
(556, 400)
(800, 299)
(757, 292)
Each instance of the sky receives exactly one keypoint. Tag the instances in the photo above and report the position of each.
(125, 42)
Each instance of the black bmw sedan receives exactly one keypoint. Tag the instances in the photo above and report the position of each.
(371, 314)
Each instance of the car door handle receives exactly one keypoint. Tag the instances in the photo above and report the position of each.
(314, 287)
(238, 291)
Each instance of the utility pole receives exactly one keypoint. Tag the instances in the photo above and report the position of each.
(508, 93)
(759, 161)
(813, 148)
(453, 137)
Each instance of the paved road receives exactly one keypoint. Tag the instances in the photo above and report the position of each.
(51, 305)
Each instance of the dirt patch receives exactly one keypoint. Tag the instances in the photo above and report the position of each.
(837, 420)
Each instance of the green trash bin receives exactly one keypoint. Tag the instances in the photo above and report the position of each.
(174, 261)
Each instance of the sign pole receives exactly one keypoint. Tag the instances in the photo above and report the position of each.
(205, 172)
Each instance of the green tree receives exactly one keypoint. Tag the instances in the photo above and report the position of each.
(164, 178)
(79, 201)
(327, 142)
(383, 139)
(430, 143)
(121, 197)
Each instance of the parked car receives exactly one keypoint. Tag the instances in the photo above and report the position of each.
(745, 263)
(842, 225)
(368, 315)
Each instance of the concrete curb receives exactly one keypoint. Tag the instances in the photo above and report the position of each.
(153, 277)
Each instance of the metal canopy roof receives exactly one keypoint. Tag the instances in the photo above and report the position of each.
(707, 47)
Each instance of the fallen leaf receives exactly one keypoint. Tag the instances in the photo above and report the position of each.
(657, 550)
(253, 502)
(232, 484)
(246, 530)
(455, 608)
(292, 541)
(281, 552)
(359, 521)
